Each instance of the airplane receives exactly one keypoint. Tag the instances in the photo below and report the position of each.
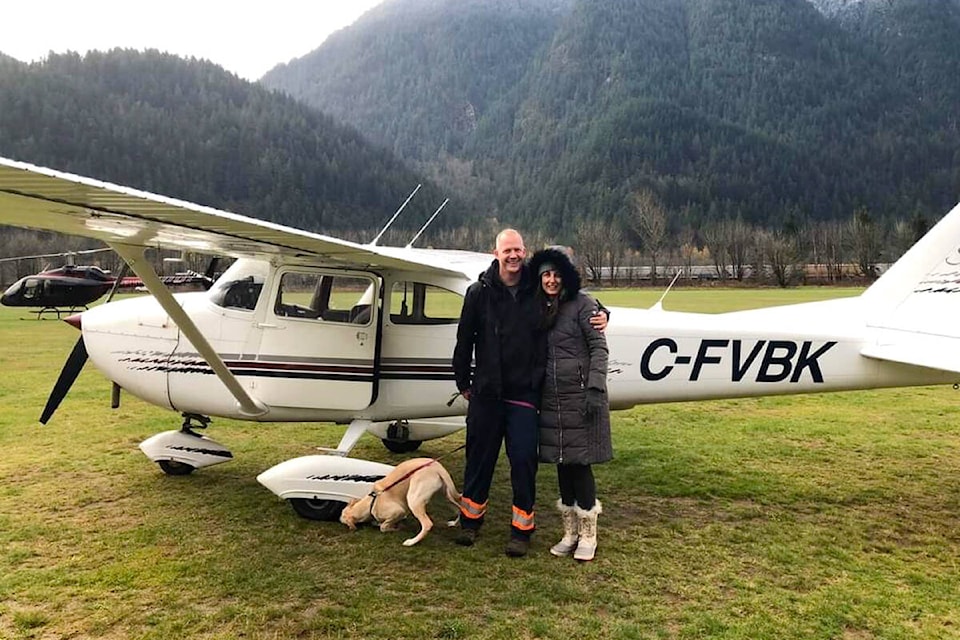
(305, 327)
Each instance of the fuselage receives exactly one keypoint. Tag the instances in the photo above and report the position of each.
(321, 344)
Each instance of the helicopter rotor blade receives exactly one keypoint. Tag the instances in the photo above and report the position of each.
(117, 281)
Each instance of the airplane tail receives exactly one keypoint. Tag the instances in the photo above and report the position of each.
(915, 304)
(932, 263)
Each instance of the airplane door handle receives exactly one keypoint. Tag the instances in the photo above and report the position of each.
(267, 325)
(361, 337)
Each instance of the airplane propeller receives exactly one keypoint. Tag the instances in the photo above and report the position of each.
(71, 369)
(75, 361)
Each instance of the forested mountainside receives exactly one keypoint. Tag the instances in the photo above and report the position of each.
(415, 75)
(191, 130)
(774, 110)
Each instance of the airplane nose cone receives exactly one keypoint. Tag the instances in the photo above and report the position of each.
(74, 320)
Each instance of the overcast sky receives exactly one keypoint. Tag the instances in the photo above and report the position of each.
(245, 37)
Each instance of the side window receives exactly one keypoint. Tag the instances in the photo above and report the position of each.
(326, 297)
(32, 289)
(420, 303)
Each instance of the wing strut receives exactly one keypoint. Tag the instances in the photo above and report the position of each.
(134, 256)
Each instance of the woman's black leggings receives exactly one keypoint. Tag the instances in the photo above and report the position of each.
(577, 485)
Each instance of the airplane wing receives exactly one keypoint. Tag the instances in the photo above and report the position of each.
(40, 198)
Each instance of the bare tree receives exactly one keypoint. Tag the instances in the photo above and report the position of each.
(592, 237)
(865, 239)
(782, 254)
(827, 241)
(713, 236)
(731, 242)
(616, 251)
(648, 219)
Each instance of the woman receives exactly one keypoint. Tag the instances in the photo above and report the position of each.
(574, 414)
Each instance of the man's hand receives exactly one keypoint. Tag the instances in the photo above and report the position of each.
(466, 394)
(599, 320)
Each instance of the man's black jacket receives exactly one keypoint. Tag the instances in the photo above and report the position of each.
(504, 333)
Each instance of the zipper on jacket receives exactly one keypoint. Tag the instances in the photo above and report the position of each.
(580, 375)
(556, 387)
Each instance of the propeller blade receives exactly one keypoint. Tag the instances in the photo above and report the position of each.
(71, 369)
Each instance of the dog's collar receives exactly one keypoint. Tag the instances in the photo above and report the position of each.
(373, 499)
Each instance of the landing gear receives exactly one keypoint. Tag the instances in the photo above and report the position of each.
(401, 446)
(174, 468)
(179, 453)
(316, 509)
(398, 438)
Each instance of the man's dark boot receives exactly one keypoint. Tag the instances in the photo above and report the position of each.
(518, 547)
(466, 537)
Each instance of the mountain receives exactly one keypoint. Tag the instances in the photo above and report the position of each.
(721, 107)
(417, 75)
(191, 130)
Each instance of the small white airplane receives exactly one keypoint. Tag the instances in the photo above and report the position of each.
(305, 327)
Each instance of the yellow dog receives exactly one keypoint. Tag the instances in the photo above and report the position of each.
(406, 489)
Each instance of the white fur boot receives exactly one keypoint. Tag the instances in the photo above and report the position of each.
(570, 526)
(587, 545)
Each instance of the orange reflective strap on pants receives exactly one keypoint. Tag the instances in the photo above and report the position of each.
(471, 509)
(522, 520)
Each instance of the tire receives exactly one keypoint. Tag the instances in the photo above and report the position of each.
(401, 446)
(316, 509)
(174, 468)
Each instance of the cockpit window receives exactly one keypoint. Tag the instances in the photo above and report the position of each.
(238, 294)
(240, 285)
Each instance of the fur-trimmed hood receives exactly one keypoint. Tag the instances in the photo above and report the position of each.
(563, 264)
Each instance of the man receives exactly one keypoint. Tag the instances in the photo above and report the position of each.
(500, 329)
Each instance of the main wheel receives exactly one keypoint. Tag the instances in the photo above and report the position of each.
(315, 509)
(401, 446)
(174, 468)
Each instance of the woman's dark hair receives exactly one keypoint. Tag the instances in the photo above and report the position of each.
(569, 276)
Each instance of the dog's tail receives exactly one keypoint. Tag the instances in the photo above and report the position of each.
(449, 488)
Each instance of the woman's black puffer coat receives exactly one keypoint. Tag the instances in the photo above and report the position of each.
(576, 361)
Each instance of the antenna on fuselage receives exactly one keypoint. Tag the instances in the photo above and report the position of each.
(373, 242)
(424, 227)
(659, 304)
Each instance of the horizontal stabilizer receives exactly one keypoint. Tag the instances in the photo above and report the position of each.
(917, 349)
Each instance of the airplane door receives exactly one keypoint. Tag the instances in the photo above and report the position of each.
(319, 340)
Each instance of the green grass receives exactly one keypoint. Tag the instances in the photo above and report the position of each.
(833, 516)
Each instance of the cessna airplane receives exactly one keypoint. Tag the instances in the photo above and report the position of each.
(305, 327)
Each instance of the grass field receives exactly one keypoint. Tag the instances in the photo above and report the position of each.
(833, 516)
